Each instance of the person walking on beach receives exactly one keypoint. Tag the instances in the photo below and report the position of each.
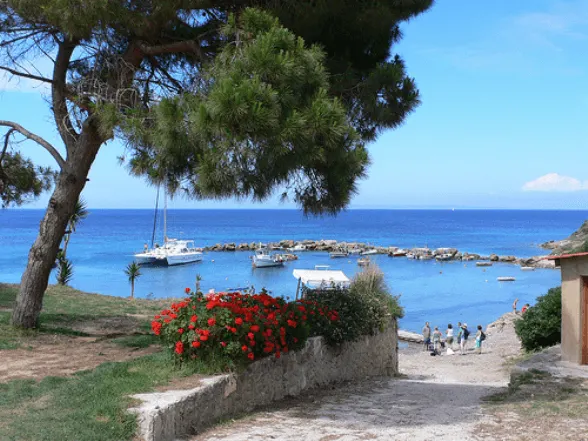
(464, 338)
(514, 305)
(480, 337)
(427, 335)
(437, 340)
(459, 334)
(449, 336)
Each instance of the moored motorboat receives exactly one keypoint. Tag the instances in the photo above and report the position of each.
(505, 279)
(398, 253)
(182, 251)
(263, 259)
(338, 254)
(368, 252)
(411, 256)
(444, 257)
(296, 248)
(363, 261)
(483, 263)
(527, 268)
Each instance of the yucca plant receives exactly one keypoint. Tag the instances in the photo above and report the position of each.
(64, 271)
(133, 272)
(80, 212)
(198, 280)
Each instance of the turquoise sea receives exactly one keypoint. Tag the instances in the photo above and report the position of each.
(438, 292)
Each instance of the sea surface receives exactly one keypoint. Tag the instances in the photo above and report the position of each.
(441, 293)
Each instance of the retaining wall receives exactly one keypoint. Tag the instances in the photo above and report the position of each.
(171, 415)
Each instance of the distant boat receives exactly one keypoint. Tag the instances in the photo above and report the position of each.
(483, 263)
(506, 279)
(369, 252)
(426, 257)
(364, 261)
(338, 254)
(398, 253)
(527, 268)
(297, 247)
(263, 259)
(411, 256)
(444, 257)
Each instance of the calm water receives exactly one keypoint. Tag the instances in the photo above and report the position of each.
(438, 292)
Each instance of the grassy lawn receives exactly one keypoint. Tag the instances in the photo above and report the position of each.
(69, 311)
(91, 404)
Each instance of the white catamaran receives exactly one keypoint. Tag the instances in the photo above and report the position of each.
(172, 252)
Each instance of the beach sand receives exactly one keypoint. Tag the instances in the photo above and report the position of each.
(435, 398)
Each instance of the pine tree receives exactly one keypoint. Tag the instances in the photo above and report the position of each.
(210, 97)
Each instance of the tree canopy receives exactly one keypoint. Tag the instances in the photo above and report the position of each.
(216, 107)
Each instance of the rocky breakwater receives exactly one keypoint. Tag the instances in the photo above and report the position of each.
(358, 248)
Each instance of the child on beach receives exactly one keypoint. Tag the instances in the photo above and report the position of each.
(437, 340)
(480, 337)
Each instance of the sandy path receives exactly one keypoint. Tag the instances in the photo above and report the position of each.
(437, 399)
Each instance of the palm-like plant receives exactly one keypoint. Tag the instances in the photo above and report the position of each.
(80, 212)
(198, 280)
(133, 272)
(64, 271)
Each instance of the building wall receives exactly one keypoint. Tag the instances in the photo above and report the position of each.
(572, 271)
(166, 416)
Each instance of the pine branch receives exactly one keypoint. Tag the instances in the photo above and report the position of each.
(42, 142)
(190, 46)
(26, 75)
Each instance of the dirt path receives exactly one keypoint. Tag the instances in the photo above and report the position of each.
(439, 398)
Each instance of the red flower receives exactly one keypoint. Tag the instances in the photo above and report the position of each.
(195, 344)
(156, 327)
(204, 337)
(191, 326)
(244, 348)
(211, 322)
(167, 320)
(250, 335)
(223, 344)
(292, 323)
(252, 343)
(180, 330)
(233, 330)
(250, 356)
(239, 321)
(173, 316)
(179, 347)
(278, 354)
(157, 317)
(254, 328)
(187, 290)
(194, 318)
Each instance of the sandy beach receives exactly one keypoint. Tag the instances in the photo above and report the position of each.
(434, 398)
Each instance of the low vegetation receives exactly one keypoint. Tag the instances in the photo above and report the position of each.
(539, 406)
(364, 309)
(540, 325)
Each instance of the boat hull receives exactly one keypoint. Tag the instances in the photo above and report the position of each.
(181, 259)
(259, 263)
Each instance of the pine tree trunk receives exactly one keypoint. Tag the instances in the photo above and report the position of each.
(60, 208)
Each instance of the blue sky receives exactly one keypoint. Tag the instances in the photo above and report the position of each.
(503, 122)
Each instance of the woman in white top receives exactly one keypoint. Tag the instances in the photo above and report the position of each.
(449, 333)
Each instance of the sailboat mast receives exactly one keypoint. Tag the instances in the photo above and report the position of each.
(165, 217)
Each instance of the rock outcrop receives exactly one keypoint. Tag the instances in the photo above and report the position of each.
(576, 242)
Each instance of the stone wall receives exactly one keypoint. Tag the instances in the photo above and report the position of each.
(170, 415)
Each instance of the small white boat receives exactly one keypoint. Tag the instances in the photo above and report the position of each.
(399, 253)
(369, 252)
(444, 257)
(483, 263)
(527, 268)
(297, 247)
(363, 261)
(411, 256)
(263, 259)
(426, 257)
(338, 254)
(354, 250)
(506, 279)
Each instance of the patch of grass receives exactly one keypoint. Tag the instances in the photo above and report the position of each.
(64, 308)
(90, 405)
(137, 341)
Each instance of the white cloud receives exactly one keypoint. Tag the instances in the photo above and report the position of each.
(555, 182)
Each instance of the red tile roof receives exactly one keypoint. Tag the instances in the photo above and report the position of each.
(566, 256)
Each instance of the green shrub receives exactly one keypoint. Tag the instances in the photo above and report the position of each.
(363, 309)
(540, 325)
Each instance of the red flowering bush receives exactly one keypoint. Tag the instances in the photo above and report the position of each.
(236, 327)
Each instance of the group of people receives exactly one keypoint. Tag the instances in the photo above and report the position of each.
(435, 341)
